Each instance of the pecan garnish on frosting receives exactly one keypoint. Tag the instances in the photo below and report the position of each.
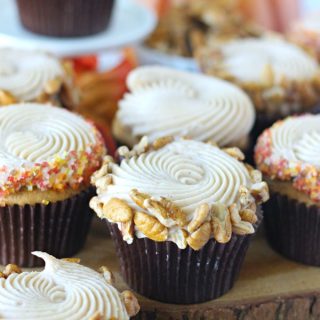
(141, 214)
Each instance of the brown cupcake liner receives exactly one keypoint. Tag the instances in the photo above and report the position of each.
(65, 18)
(59, 229)
(163, 272)
(293, 228)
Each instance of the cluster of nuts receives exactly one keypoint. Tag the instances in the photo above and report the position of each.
(156, 216)
(269, 96)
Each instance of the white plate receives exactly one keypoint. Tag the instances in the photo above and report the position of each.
(152, 56)
(130, 24)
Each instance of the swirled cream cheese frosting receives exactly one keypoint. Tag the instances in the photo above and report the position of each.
(279, 77)
(46, 148)
(29, 75)
(289, 150)
(248, 60)
(179, 190)
(165, 101)
(63, 290)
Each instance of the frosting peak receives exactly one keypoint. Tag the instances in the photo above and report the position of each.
(165, 101)
(63, 290)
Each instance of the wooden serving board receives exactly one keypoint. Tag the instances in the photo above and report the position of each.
(269, 286)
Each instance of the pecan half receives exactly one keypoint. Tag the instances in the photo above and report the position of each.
(234, 213)
(200, 216)
(117, 210)
(139, 197)
(243, 228)
(200, 237)
(248, 215)
(150, 227)
(221, 223)
(174, 212)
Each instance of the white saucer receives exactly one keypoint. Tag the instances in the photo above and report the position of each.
(131, 23)
(151, 56)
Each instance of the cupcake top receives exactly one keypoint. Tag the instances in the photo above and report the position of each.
(179, 190)
(63, 290)
(165, 101)
(46, 148)
(29, 76)
(279, 76)
(249, 60)
(289, 150)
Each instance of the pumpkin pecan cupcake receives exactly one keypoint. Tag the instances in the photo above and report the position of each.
(288, 156)
(63, 290)
(47, 156)
(181, 213)
(166, 101)
(280, 77)
(35, 76)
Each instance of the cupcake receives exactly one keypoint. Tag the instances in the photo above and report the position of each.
(47, 157)
(288, 156)
(165, 101)
(35, 76)
(65, 18)
(63, 290)
(280, 78)
(181, 213)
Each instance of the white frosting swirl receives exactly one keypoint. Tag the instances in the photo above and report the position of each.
(164, 102)
(63, 290)
(25, 73)
(34, 133)
(297, 139)
(246, 60)
(187, 172)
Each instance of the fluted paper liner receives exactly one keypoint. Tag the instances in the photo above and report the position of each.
(163, 272)
(65, 18)
(293, 228)
(59, 229)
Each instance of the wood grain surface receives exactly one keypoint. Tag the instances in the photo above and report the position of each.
(269, 286)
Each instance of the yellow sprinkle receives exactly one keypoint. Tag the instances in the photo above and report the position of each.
(45, 202)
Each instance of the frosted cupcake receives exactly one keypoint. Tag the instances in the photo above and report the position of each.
(181, 213)
(47, 156)
(165, 101)
(63, 290)
(34, 76)
(280, 78)
(288, 155)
